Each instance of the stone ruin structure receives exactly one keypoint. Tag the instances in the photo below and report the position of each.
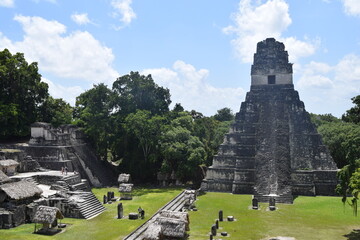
(66, 146)
(55, 169)
(273, 149)
(125, 187)
(168, 225)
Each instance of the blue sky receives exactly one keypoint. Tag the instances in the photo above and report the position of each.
(201, 50)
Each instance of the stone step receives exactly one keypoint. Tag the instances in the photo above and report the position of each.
(91, 206)
(79, 186)
(90, 214)
(92, 211)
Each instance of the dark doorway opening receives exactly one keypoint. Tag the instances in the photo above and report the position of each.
(271, 79)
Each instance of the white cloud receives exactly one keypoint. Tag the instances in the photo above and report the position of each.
(188, 86)
(352, 7)
(348, 69)
(298, 49)
(77, 55)
(80, 18)
(313, 76)
(254, 23)
(7, 3)
(123, 8)
(69, 94)
(330, 87)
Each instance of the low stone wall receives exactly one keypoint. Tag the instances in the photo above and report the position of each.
(226, 174)
(242, 187)
(217, 186)
(13, 218)
(68, 209)
(314, 182)
(48, 179)
(57, 165)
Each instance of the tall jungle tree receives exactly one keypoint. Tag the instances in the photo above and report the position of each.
(55, 111)
(353, 114)
(93, 113)
(134, 91)
(21, 93)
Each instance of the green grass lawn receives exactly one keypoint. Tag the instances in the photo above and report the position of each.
(104, 226)
(309, 218)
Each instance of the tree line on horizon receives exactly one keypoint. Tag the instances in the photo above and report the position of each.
(131, 125)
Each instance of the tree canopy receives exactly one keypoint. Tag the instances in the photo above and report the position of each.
(24, 98)
(353, 114)
(342, 136)
(134, 91)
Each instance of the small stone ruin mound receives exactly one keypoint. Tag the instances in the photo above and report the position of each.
(168, 225)
(125, 187)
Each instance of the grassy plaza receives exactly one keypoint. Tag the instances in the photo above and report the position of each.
(308, 218)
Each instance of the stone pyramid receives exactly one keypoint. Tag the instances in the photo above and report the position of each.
(272, 149)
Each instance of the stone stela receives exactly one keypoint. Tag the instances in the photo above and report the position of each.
(272, 149)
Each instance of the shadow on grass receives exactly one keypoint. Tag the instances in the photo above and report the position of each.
(354, 235)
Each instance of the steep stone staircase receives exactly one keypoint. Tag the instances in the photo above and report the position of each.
(98, 173)
(90, 206)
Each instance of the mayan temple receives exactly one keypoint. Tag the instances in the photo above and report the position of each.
(272, 149)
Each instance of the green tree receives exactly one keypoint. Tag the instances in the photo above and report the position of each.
(224, 114)
(146, 128)
(211, 133)
(342, 140)
(353, 114)
(183, 153)
(178, 108)
(134, 91)
(354, 187)
(320, 119)
(55, 111)
(93, 113)
(21, 93)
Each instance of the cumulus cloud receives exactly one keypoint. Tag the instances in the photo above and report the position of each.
(188, 86)
(330, 87)
(76, 55)
(348, 69)
(7, 3)
(80, 18)
(352, 7)
(123, 11)
(255, 22)
(69, 94)
(313, 75)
